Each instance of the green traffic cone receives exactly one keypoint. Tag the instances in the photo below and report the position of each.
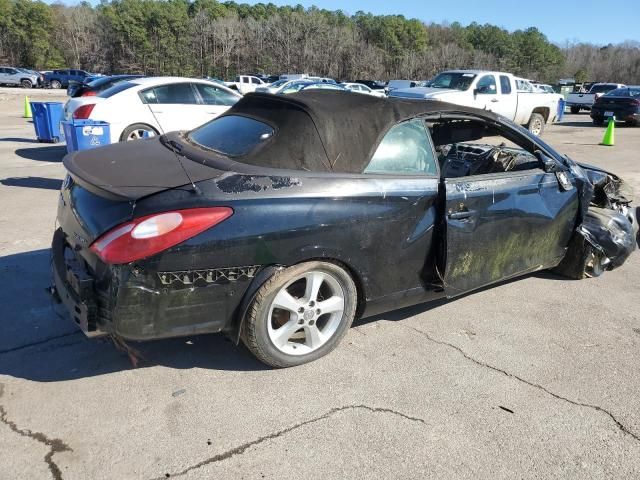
(27, 108)
(609, 136)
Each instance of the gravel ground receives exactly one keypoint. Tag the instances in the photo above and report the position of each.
(535, 378)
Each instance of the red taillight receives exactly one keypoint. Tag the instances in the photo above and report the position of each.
(89, 93)
(83, 112)
(146, 236)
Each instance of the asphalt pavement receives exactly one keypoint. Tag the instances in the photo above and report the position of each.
(534, 378)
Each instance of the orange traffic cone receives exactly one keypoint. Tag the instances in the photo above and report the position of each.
(609, 135)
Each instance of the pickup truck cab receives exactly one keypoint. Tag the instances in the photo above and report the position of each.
(246, 83)
(583, 101)
(494, 91)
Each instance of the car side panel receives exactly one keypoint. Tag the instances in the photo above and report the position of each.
(517, 223)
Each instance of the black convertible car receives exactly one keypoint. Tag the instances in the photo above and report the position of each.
(282, 220)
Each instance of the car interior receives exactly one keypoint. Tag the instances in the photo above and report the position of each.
(468, 147)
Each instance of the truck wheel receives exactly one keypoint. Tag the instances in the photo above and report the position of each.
(575, 110)
(598, 122)
(300, 314)
(536, 124)
(56, 84)
(26, 83)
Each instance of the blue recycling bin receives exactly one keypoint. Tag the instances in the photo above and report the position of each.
(561, 107)
(46, 120)
(86, 134)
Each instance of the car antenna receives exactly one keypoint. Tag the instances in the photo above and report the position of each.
(177, 151)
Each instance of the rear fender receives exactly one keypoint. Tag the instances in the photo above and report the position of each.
(235, 328)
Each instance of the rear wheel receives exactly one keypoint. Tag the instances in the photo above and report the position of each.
(598, 122)
(536, 124)
(300, 314)
(56, 84)
(26, 83)
(138, 131)
(575, 109)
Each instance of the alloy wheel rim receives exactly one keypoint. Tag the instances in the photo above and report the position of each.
(305, 313)
(139, 133)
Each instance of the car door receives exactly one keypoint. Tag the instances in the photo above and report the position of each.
(500, 225)
(174, 106)
(506, 101)
(486, 92)
(214, 101)
(4, 76)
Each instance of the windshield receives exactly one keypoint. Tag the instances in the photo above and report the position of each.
(624, 92)
(231, 135)
(602, 88)
(279, 83)
(457, 81)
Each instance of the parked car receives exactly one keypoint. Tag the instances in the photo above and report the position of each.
(274, 87)
(271, 224)
(61, 78)
(584, 101)
(494, 91)
(96, 85)
(372, 84)
(323, 86)
(360, 88)
(292, 87)
(245, 83)
(19, 77)
(400, 84)
(543, 88)
(148, 106)
(621, 103)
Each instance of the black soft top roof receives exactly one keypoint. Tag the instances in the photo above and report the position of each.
(328, 131)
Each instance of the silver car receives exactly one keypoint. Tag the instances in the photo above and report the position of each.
(15, 76)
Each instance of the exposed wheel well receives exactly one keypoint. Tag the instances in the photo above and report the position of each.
(544, 111)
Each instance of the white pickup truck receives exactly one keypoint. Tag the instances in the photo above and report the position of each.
(583, 101)
(245, 83)
(494, 91)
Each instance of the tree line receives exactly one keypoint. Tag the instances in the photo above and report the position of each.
(222, 39)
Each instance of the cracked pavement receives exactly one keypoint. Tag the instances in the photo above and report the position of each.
(535, 378)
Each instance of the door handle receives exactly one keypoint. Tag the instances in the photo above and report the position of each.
(461, 215)
(495, 100)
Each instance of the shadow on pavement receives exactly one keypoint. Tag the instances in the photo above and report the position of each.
(52, 153)
(39, 342)
(18, 140)
(32, 182)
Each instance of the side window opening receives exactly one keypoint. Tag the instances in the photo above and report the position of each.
(404, 150)
(505, 85)
(468, 147)
(487, 85)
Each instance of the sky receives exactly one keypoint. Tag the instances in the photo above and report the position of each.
(598, 22)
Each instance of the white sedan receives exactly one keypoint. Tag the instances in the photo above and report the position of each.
(145, 107)
(360, 88)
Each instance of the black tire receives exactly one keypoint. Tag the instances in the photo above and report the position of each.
(536, 124)
(581, 260)
(598, 122)
(55, 84)
(127, 132)
(26, 83)
(255, 326)
(632, 123)
(575, 110)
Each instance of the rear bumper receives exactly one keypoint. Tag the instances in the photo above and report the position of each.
(138, 302)
(625, 114)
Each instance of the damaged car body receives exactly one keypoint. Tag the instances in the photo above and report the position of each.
(284, 219)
